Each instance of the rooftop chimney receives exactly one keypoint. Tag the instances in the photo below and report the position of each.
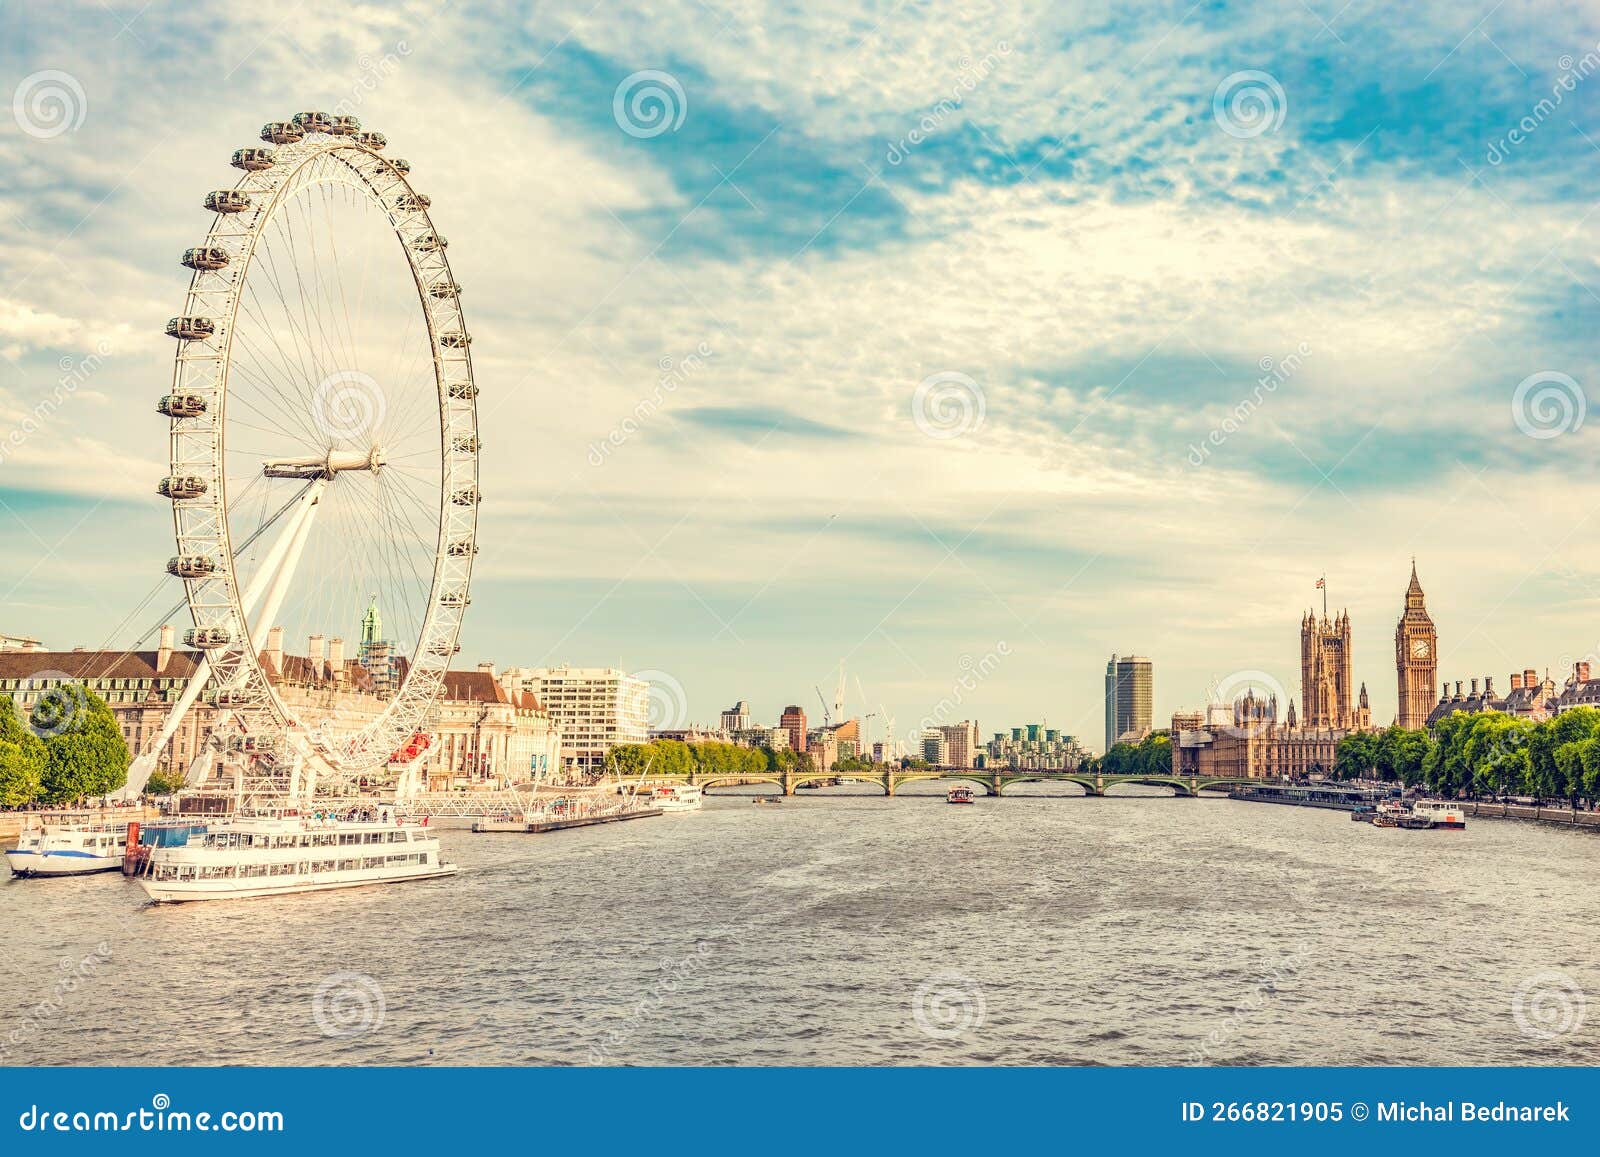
(1581, 670)
(164, 651)
(1516, 681)
(1458, 689)
(1530, 677)
(1474, 688)
(487, 669)
(275, 650)
(336, 657)
(314, 653)
(1488, 685)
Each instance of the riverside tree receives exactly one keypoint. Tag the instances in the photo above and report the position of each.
(85, 754)
(22, 760)
(1489, 753)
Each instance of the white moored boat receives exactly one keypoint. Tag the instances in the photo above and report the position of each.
(244, 858)
(676, 797)
(69, 849)
(1450, 816)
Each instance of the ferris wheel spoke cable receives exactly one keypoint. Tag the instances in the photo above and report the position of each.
(262, 313)
(301, 341)
(305, 434)
(394, 540)
(280, 382)
(344, 305)
(322, 302)
(313, 348)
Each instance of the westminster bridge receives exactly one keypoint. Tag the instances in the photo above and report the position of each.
(993, 782)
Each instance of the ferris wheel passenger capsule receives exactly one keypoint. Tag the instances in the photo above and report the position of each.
(207, 638)
(455, 341)
(252, 160)
(371, 140)
(465, 444)
(191, 328)
(430, 243)
(412, 202)
(467, 496)
(462, 549)
(180, 486)
(191, 566)
(231, 698)
(181, 405)
(454, 599)
(400, 164)
(227, 201)
(313, 122)
(282, 133)
(463, 391)
(444, 290)
(344, 126)
(206, 258)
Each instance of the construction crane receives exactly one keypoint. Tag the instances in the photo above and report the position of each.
(826, 718)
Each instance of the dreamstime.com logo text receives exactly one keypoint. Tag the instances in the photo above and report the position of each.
(673, 375)
(971, 74)
(74, 372)
(1573, 73)
(1273, 375)
(74, 974)
(374, 71)
(160, 1117)
(973, 672)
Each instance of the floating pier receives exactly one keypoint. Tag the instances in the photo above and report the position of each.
(556, 825)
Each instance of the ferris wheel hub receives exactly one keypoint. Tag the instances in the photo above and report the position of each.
(306, 468)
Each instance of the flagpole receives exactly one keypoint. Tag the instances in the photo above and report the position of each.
(1324, 585)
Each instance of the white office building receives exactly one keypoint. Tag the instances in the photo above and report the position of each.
(594, 708)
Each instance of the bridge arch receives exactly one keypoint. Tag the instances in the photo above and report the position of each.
(1086, 782)
(745, 780)
(1179, 787)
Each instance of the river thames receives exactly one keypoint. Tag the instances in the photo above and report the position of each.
(844, 928)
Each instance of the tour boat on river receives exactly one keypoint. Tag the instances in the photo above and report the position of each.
(958, 795)
(271, 856)
(69, 849)
(677, 797)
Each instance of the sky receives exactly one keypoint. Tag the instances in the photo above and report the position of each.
(966, 344)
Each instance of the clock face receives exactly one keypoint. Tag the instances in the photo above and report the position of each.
(1419, 648)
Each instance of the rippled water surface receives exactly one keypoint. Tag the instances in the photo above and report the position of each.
(841, 927)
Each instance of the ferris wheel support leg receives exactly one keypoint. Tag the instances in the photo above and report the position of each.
(292, 539)
(294, 545)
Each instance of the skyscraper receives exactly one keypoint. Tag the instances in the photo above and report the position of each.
(1130, 698)
(793, 721)
(1416, 657)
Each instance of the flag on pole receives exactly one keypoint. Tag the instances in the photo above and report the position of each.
(1322, 583)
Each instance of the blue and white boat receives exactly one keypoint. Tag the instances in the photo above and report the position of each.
(69, 849)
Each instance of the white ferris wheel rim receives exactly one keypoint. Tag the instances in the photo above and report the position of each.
(198, 442)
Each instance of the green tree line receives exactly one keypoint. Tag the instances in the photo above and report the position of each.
(66, 748)
(1152, 755)
(1484, 753)
(673, 757)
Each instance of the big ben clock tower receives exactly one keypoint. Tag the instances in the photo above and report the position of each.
(1416, 657)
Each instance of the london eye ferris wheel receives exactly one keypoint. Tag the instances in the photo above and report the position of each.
(323, 445)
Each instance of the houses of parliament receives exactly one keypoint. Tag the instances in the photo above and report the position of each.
(1250, 738)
